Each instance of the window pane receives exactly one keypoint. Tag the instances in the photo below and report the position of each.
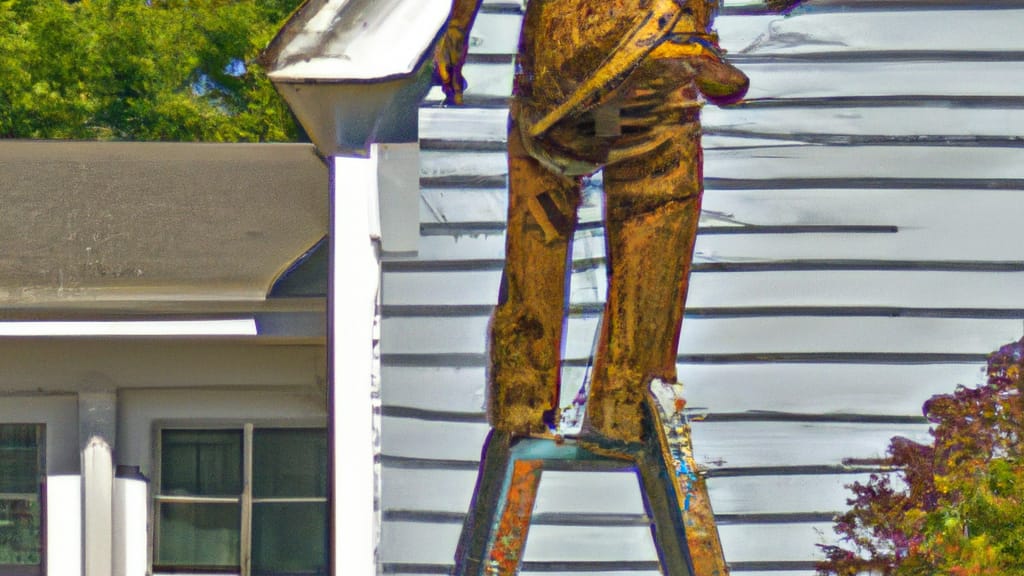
(201, 462)
(289, 462)
(199, 535)
(20, 540)
(19, 458)
(20, 537)
(289, 538)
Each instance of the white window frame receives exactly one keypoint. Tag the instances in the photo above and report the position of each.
(245, 499)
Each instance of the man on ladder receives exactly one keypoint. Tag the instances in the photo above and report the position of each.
(618, 85)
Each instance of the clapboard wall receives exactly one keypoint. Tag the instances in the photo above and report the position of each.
(858, 253)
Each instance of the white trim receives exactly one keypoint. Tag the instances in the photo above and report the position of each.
(64, 525)
(131, 508)
(198, 499)
(245, 555)
(355, 277)
(98, 507)
(243, 327)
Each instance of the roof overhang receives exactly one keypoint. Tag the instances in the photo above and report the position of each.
(91, 228)
(354, 71)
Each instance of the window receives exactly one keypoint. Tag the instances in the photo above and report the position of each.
(21, 502)
(249, 501)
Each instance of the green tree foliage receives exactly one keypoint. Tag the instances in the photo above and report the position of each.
(959, 506)
(140, 70)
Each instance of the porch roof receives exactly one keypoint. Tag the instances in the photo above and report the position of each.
(119, 226)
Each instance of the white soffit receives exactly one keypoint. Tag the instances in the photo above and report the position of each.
(117, 221)
(356, 40)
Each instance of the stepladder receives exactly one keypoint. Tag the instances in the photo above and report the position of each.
(675, 496)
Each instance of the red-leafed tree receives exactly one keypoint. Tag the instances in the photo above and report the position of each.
(957, 507)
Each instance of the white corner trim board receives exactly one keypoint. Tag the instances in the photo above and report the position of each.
(355, 285)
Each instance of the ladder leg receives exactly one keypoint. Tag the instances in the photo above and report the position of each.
(664, 508)
(663, 501)
(701, 533)
(484, 507)
(685, 507)
(506, 550)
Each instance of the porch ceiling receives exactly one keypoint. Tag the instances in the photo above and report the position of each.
(101, 222)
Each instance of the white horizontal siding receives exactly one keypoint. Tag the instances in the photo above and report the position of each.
(742, 497)
(882, 122)
(775, 543)
(433, 490)
(906, 288)
(771, 444)
(780, 494)
(932, 225)
(437, 164)
(778, 162)
(589, 543)
(498, 34)
(464, 124)
(564, 493)
(630, 572)
(940, 228)
(890, 30)
(772, 572)
(958, 124)
(434, 388)
(865, 162)
(450, 205)
(417, 543)
(448, 288)
(956, 213)
(412, 438)
(831, 390)
(826, 287)
(489, 125)
(518, 5)
(729, 445)
(810, 32)
(467, 335)
(828, 389)
(397, 571)
(495, 34)
(567, 493)
(819, 80)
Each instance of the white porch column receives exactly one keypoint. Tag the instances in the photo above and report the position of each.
(64, 525)
(353, 366)
(131, 495)
(97, 412)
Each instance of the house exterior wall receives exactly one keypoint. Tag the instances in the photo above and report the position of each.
(112, 234)
(857, 254)
(123, 390)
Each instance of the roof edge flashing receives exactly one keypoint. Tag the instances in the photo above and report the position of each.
(356, 40)
(355, 71)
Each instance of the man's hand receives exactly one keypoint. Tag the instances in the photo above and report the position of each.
(449, 57)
